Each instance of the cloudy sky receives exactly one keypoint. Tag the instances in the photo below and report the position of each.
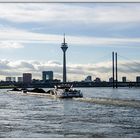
(31, 37)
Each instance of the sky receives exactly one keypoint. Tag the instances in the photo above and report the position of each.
(31, 35)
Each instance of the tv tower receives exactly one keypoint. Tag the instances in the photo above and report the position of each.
(64, 47)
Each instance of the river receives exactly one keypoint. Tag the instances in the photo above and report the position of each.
(102, 113)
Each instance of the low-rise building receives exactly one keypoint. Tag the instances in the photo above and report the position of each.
(10, 79)
(88, 79)
(97, 80)
(20, 79)
(111, 79)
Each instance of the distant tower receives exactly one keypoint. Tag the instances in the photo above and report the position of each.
(64, 47)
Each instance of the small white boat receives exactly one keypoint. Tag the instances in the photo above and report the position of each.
(66, 91)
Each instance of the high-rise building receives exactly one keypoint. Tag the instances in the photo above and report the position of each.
(88, 79)
(123, 79)
(20, 79)
(138, 79)
(27, 77)
(47, 75)
(10, 79)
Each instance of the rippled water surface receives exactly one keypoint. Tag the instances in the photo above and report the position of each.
(107, 113)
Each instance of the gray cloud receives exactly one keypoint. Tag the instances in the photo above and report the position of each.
(70, 13)
(130, 67)
(54, 62)
(26, 65)
(75, 72)
(4, 65)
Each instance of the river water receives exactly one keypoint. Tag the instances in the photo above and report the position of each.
(103, 112)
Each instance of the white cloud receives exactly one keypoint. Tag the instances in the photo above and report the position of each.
(10, 45)
(52, 13)
(53, 62)
(103, 13)
(74, 71)
(14, 38)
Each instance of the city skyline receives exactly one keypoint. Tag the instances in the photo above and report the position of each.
(31, 37)
(49, 77)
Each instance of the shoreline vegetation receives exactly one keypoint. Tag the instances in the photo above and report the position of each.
(7, 87)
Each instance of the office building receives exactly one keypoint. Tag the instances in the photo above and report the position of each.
(20, 79)
(27, 77)
(123, 79)
(47, 75)
(138, 79)
(10, 79)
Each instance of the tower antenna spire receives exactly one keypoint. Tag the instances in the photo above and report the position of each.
(64, 38)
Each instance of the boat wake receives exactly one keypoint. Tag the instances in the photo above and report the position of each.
(109, 101)
(94, 100)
